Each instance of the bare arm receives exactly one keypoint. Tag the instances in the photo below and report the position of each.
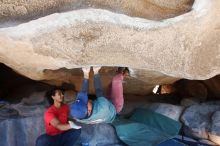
(56, 123)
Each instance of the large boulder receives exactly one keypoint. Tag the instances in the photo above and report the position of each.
(151, 9)
(21, 131)
(172, 111)
(25, 131)
(84, 37)
(191, 89)
(99, 135)
(213, 86)
(214, 133)
(201, 121)
(186, 102)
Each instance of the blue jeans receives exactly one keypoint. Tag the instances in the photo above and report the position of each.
(97, 85)
(84, 91)
(68, 138)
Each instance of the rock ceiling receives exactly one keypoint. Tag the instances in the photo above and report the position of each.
(161, 41)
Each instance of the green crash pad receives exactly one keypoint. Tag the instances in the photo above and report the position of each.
(146, 128)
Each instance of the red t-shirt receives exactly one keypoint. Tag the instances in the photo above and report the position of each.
(60, 113)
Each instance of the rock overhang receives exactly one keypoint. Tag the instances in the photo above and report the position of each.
(174, 47)
(148, 9)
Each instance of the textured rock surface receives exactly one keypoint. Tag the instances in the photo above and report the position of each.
(119, 33)
(151, 9)
(200, 121)
(192, 89)
(100, 135)
(24, 132)
(22, 123)
(201, 90)
(140, 82)
(186, 46)
(213, 86)
(169, 110)
(21, 131)
(215, 129)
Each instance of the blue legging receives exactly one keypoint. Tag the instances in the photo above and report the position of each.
(68, 138)
(97, 85)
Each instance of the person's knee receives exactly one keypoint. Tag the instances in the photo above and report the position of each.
(42, 140)
(74, 133)
(78, 132)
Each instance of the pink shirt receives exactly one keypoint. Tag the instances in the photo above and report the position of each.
(115, 93)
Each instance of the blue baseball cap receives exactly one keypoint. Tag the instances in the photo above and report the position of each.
(78, 109)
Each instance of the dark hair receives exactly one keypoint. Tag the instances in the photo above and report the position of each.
(51, 93)
(123, 70)
(126, 69)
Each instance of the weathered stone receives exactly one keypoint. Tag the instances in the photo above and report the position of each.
(199, 90)
(30, 93)
(168, 110)
(23, 128)
(98, 37)
(189, 101)
(69, 96)
(215, 128)
(214, 133)
(167, 89)
(34, 105)
(7, 112)
(151, 9)
(28, 110)
(214, 138)
(142, 81)
(213, 86)
(100, 135)
(197, 120)
(192, 89)
(34, 98)
(205, 141)
(21, 131)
